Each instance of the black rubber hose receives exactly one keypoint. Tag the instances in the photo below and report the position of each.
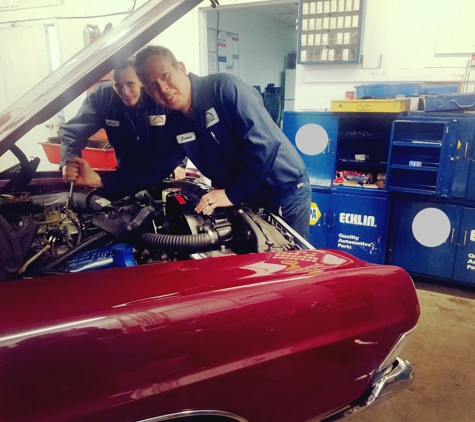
(176, 241)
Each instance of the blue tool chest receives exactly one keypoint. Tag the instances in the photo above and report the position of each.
(353, 219)
(421, 155)
(422, 215)
(434, 238)
(450, 102)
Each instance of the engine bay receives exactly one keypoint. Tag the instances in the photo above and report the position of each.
(50, 234)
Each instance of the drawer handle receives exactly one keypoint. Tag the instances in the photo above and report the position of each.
(363, 106)
(461, 106)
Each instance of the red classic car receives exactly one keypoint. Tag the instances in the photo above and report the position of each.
(139, 309)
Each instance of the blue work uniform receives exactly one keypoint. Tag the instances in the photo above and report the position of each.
(232, 140)
(138, 135)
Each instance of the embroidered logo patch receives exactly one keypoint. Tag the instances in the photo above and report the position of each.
(211, 117)
(114, 123)
(157, 120)
(186, 137)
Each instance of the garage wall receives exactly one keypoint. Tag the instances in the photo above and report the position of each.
(24, 30)
(403, 40)
(263, 44)
(25, 53)
(24, 42)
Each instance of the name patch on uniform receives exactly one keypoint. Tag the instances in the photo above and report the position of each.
(158, 120)
(211, 117)
(114, 123)
(186, 137)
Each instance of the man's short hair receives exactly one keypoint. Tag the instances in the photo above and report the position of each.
(153, 50)
(124, 64)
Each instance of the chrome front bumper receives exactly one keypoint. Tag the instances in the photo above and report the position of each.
(386, 383)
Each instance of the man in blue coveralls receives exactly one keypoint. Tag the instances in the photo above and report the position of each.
(222, 126)
(135, 125)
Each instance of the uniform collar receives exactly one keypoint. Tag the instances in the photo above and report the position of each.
(195, 82)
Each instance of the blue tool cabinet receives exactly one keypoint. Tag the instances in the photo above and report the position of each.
(432, 252)
(329, 141)
(320, 214)
(353, 219)
(464, 265)
(429, 162)
(314, 135)
(435, 239)
(434, 234)
(463, 170)
(422, 156)
(356, 222)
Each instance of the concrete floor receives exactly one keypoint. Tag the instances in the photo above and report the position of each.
(442, 353)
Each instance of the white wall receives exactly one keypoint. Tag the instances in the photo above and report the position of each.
(22, 34)
(263, 44)
(24, 56)
(403, 40)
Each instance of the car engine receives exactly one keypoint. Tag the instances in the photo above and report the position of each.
(47, 234)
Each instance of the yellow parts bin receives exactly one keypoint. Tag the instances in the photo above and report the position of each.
(390, 105)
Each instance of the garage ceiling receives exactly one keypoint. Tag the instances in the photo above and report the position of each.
(285, 13)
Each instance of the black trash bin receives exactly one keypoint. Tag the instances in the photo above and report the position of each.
(273, 102)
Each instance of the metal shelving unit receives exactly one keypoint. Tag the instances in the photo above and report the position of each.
(329, 31)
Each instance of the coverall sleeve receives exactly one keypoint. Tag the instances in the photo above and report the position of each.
(75, 133)
(257, 134)
(131, 179)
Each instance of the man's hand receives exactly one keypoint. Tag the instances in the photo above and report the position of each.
(79, 171)
(212, 200)
(179, 173)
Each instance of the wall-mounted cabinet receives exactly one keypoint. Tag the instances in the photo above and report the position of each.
(329, 31)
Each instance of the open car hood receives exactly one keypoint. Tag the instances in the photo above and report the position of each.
(72, 78)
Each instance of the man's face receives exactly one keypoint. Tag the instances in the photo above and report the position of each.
(127, 85)
(167, 85)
